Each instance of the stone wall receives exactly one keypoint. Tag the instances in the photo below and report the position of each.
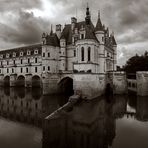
(142, 83)
(119, 83)
(89, 85)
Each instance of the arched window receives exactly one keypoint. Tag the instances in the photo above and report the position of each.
(89, 54)
(82, 54)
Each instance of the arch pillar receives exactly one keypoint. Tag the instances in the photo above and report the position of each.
(2, 80)
(28, 81)
(13, 79)
(50, 83)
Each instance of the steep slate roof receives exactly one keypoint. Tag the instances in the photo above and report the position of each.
(24, 49)
(114, 41)
(67, 33)
(52, 40)
(99, 26)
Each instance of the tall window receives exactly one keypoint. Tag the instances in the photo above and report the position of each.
(74, 53)
(82, 54)
(48, 54)
(28, 60)
(36, 70)
(43, 54)
(21, 70)
(89, 53)
(12, 70)
(48, 68)
(82, 36)
(26, 69)
(43, 68)
(7, 70)
(21, 61)
(36, 60)
(13, 61)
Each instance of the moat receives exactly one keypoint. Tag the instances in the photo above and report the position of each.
(119, 121)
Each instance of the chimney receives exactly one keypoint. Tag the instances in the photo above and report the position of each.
(73, 23)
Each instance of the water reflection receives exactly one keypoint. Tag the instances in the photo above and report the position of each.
(102, 123)
(93, 124)
(27, 105)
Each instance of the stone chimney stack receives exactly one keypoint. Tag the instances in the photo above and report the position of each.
(73, 23)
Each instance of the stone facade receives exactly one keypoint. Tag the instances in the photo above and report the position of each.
(81, 51)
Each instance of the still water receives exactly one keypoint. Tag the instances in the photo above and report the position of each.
(117, 122)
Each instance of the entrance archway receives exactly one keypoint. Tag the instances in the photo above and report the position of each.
(65, 86)
(20, 81)
(6, 81)
(36, 81)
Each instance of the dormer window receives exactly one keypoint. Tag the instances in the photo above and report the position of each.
(21, 53)
(7, 55)
(14, 54)
(28, 52)
(82, 36)
(36, 52)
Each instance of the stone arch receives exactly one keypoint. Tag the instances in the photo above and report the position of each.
(20, 81)
(7, 81)
(65, 86)
(36, 81)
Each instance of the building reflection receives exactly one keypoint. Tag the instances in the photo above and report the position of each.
(142, 109)
(88, 125)
(27, 105)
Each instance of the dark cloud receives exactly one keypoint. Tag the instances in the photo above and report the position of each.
(27, 29)
(12, 5)
(127, 18)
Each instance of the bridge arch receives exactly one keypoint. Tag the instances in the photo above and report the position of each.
(20, 81)
(65, 86)
(7, 81)
(36, 81)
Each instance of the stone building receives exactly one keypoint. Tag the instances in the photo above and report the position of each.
(80, 52)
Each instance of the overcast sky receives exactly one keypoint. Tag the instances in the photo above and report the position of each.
(23, 21)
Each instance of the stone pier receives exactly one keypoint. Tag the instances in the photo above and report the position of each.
(28, 80)
(142, 83)
(50, 83)
(119, 83)
(13, 80)
(2, 80)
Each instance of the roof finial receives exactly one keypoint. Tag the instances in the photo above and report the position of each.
(99, 14)
(51, 32)
(88, 17)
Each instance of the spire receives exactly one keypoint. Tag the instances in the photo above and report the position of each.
(113, 39)
(99, 14)
(88, 17)
(99, 26)
(51, 32)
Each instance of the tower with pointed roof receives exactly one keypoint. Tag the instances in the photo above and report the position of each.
(86, 51)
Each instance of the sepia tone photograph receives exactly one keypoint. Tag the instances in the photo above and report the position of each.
(73, 74)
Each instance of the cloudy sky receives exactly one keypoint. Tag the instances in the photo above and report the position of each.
(23, 21)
